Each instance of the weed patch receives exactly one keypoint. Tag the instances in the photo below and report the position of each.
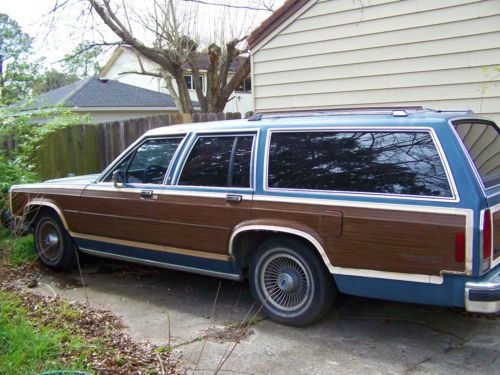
(28, 347)
(23, 251)
(16, 250)
(39, 334)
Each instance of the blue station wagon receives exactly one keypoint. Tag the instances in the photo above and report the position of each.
(392, 203)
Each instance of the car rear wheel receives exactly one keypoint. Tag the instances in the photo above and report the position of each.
(53, 244)
(290, 282)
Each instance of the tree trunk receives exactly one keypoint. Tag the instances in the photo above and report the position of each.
(184, 97)
(172, 49)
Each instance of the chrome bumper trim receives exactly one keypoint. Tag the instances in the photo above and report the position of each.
(483, 296)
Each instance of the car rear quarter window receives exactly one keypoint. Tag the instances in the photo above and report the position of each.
(482, 142)
(370, 162)
(219, 161)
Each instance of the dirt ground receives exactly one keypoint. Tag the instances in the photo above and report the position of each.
(200, 318)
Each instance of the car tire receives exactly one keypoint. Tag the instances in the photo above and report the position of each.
(54, 246)
(290, 282)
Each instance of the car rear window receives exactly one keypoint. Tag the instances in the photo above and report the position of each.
(371, 162)
(482, 141)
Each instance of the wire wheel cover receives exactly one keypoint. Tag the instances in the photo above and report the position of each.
(49, 241)
(286, 282)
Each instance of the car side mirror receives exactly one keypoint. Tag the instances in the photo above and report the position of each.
(118, 178)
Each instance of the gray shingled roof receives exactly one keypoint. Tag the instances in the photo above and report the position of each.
(93, 92)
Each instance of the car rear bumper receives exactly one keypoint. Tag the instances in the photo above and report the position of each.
(483, 296)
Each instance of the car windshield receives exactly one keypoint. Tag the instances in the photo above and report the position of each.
(482, 141)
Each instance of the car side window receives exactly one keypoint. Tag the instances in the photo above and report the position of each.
(150, 161)
(371, 162)
(122, 167)
(219, 161)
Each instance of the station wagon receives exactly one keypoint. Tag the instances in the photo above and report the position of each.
(391, 203)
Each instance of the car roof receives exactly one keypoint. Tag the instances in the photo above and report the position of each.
(344, 118)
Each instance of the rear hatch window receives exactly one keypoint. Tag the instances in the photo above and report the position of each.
(482, 141)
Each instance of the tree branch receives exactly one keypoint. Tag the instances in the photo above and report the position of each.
(267, 9)
(89, 47)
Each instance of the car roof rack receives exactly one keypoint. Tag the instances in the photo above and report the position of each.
(394, 111)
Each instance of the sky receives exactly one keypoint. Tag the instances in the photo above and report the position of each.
(54, 40)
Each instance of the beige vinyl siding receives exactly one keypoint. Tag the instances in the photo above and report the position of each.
(339, 53)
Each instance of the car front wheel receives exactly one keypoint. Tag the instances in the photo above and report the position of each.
(290, 282)
(53, 244)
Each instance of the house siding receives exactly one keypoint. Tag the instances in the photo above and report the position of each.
(341, 53)
(128, 62)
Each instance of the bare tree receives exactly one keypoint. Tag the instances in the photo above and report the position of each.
(175, 47)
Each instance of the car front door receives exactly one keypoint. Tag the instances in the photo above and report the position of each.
(124, 213)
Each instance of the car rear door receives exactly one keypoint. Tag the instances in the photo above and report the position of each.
(211, 193)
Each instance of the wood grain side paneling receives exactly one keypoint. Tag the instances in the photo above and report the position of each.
(184, 222)
(200, 223)
(376, 239)
(118, 214)
(66, 200)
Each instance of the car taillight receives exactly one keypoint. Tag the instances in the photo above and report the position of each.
(460, 247)
(487, 235)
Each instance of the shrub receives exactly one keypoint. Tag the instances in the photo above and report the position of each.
(19, 165)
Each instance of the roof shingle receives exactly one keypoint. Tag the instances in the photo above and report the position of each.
(93, 92)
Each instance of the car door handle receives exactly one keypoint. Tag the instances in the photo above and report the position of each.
(146, 193)
(233, 198)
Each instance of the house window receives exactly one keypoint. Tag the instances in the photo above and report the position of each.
(245, 86)
(189, 82)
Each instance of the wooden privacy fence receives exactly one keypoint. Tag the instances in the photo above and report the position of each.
(84, 149)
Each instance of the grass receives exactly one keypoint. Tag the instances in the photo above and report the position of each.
(28, 347)
(40, 334)
(27, 344)
(20, 250)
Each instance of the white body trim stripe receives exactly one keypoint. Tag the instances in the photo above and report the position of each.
(108, 186)
(427, 279)
(363, 128)
(468, 213)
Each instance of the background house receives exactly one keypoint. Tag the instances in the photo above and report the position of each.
(125, 61)
(105, 100)
(343, 53)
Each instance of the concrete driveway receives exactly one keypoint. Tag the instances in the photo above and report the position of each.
(358, 336)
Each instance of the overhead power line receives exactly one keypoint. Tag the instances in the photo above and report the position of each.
(248, 7)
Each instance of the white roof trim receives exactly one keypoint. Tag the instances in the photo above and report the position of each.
(280, 28)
